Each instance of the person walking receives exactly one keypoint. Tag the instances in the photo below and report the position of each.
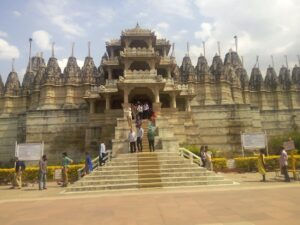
(140, 134)
(202, 155)
(208, 159)
(261, 164)
(19, 169)
(88, 163)
(132, 140)
(66, 161)
(43, 173)
(140, 111)
(283, 161)
(102, 154)
(151, 136)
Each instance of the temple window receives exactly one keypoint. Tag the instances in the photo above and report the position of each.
(138, 44)
(163, 72)
(139, 65)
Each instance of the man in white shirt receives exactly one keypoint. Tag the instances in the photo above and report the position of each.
(283, 161)
(140, 111)
(132, 140)
(102, 153)
(145, 111)
(140, 134)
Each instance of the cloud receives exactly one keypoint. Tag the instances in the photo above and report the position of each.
(107, 14)
(63, 63)
(8, 51)
(163, 25)
(3, 34)
(42, 39)
(205, 32)
(16, 13)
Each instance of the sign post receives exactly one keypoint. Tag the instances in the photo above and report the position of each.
(29, 151)
(254, 141)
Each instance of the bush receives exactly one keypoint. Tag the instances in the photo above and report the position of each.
(219, 163)
(276, 142)
(31, 173)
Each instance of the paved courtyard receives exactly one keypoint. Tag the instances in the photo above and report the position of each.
(251, 202)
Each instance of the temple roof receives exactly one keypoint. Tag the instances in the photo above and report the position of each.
(1, 86)
(53, 71)
(28, 80)
(137, 31)
(243, 77)
(89, 70)
(256, 80)
(271, 80)
(217, 67)
(12, 85)
(233, 59)
(296, 75)
(72, 71)
(284, 78)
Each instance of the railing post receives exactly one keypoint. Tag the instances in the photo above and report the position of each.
(191, 157)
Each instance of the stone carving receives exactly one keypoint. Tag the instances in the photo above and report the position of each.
(256, 80)
(102, 88)
(230, 75)
(284, 78)
(159, 78)
(217, 68)
(52, 74)
(296, 75)
(121, 79)
(28, 82)
(38, 77)
(36, 63)
(202, 69)
(176, 73)
(271, 81)
(233, 59)
(72, 73)
(12, 86)
(89, 71)
(243, 77)
(186, 69)
(100, 79)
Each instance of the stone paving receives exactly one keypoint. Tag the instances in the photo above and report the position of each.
(249, 203)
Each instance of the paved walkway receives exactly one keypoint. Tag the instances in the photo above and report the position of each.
(250, 203)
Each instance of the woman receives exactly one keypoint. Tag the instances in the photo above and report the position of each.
(66, 161)
(88, 163)
(261, 165)
(43, 172)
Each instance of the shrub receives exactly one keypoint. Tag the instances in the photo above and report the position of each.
(31, 173)
(276, 142)
(219, 163)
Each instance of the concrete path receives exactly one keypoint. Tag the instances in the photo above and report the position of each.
(250, 203)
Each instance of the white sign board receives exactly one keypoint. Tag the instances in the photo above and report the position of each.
(29, 151)
(252, 141)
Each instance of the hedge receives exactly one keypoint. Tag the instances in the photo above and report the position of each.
(31, 173)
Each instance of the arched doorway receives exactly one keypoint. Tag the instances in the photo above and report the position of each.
(142, 95)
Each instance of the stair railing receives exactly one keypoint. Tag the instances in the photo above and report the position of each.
(191, 156)
(96, 163)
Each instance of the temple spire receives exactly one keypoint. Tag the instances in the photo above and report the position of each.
(89, 49)
(236, 43)
(53, 43)
(137, 25)
(219, 48)
(257, 62)
(72, 52)
(203, 43)
(30, 66)
(173, 50)
(242, 57)
(13, 65)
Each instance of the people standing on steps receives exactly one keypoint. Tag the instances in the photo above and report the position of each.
(208, 159)
(88, 163)
(145, 111)
(66, 161)
(151, 131)
(132, 140)
(102, 154)
(283, 161)
(140, 134)
(43, 173)
(261, 164)
(140, 110)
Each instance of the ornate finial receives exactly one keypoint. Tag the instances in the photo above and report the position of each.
(13, 65)
(89, 49)
(272, 60)
(72, 52)
(173, 50)
(137, 25)
(236, 43)
(188, 48)
(219, 48)
(30, 41)
(203, 43)
(286, 61)
(257, 62)
(53, 43)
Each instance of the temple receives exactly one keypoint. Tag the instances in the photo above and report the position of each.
(72, 110)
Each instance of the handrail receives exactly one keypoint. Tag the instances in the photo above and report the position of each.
(95, 163)
(191, 156)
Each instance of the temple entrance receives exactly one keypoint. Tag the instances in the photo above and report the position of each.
(142, 95)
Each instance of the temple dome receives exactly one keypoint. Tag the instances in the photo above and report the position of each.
(271, 80)
(284, 78)
(12, 85)
(256, 80)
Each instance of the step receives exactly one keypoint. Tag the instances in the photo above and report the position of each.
(147, 163)
(153, 166)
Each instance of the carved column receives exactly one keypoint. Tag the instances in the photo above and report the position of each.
(173, 100)
(156, 93)
(107, 102)
(169, 72)
(109, 73)
(187, 104)
(92, 106)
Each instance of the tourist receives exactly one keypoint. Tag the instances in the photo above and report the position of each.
(140, 134)
(208, 159)
(88, 163)
(145, 111)
(132, 140)
(66, 161)
(151, 136)
(202, 155)
(102, 154)
(261, 165)
(283, 162)
(19, 169)
(43, 173)
(140, 111)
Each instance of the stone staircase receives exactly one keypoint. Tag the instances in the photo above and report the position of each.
(160, 169)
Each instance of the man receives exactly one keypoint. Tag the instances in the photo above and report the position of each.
(19, 169)
(43, 172)
(283, 161)
(102, 154)
(132, 140)
(140, 134)
(145, 110)
(66, 161)
(151, 135)
(140, 111)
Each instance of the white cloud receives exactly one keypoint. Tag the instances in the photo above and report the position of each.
(17, 13)
(63, 63)
(3, 34)
(163, 25)
(42, 39)
(205, 32)
(107, 14)
(8, 51)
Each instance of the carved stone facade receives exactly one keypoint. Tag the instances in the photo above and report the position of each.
(207, 104)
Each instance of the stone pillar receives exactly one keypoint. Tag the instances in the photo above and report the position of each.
(173, 100)
(126, 93)
(109, 73)
(187, 104)
(164, 52)
(156, 94)
(107, 102)
(92, 106)
(169, 72)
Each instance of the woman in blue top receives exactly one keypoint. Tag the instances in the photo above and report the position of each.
(88, 163)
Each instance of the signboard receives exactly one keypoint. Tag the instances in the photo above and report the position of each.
(289, 145)
(29, 151)
(252, 141)
(57, 175)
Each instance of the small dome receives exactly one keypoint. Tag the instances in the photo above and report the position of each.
(233, 59)
(12, 85)
(284, 78)
(271, 80)
(256, 80)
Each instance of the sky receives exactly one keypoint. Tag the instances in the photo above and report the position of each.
(263, 28)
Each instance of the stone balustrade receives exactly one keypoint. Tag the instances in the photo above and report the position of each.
(138, 52)
(111, 61)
